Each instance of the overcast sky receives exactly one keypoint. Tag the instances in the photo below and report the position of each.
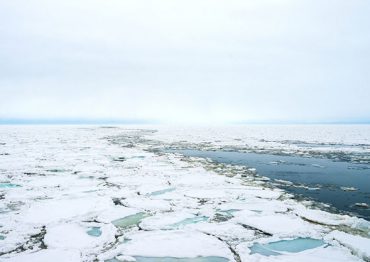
(186, 61)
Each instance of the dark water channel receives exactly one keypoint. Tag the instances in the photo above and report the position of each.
(340, 184)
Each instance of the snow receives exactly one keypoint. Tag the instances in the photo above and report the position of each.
(47, 255)
(164, 221)
(74, 236)
(115, 213)
(278, 224)
(56, 210)
(323, 217)
(357, 244)
(174, 244)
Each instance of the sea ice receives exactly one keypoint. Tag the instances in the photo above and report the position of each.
(46, 255)
(75, 203)
(179, 244)
(73, 236)
(357, 244)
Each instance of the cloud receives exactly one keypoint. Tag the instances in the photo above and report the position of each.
(208, 60)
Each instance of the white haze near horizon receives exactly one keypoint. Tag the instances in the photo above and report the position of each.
(185, 61)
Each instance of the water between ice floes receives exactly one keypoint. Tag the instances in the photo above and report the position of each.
(321, 179)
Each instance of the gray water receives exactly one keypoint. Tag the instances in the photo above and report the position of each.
(323, 180)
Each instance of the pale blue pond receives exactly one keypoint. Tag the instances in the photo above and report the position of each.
(129, 221)
(320, 179)
(174, 259)
(94, 231)
(8, 185)
(286, 246)
(189, 221)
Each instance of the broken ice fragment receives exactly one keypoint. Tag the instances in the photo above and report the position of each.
(362, 205)
(344, 188)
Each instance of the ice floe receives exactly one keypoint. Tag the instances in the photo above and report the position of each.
(180, 244)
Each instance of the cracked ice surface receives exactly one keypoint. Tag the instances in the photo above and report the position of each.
(86, 193)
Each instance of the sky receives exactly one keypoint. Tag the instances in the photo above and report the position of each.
(191, 61)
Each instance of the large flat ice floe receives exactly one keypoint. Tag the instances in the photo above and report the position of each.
(88, 193)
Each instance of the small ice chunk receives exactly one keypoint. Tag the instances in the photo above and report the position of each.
(362, 205)
(344, 188)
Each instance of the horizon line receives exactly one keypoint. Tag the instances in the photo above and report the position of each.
(129, 121)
